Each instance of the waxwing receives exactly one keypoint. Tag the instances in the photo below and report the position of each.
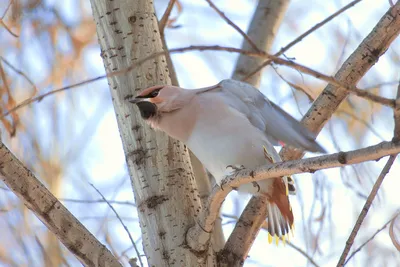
(231, 124)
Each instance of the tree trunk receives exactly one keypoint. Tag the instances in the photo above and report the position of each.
(161, 175)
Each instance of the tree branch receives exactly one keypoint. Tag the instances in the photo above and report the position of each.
(332, 80)
(222, 15)
(163, 21)
(375, 188)
(286, 168)
(75, 237)
(264, 25)
(122, 223)
(365, 210)
(372, 237)
(362, 59)
(159, 167)
(299, 39)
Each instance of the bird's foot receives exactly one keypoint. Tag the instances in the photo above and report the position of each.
(232, 169)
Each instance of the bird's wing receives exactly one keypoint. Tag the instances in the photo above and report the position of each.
(266, 116)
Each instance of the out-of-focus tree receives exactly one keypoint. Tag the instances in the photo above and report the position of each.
(70, 139)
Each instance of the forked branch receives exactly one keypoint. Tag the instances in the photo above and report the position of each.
(198, 235)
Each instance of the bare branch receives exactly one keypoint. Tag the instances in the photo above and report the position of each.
(7, 8)
(163, 21)
(392, 235)
(266, 20)
(302, 252)
(352, 70)
(8, 29)
(365, 209)
(327, 103)
(277, 60)
(96, 201)
(362, 59)
(207, 218)
(20, 73)
(120, 220)
(301, 37)
(290, 244)
(307, 92)
(371, 238)
(396, 115)
(334, 81)
(222, 15)
(375, 188)
(52, 213)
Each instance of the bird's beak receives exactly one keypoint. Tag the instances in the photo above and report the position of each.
(138, 100)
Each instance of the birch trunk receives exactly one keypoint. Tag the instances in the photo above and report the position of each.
(160, 170)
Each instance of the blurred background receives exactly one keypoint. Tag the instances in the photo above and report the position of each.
(71, 139)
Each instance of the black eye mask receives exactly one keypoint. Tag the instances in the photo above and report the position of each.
(151, 94)
(147, 109)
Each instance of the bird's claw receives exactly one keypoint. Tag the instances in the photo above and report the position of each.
(230, 170)
(235, 168)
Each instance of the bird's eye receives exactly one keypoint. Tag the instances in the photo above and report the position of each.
(154, 93)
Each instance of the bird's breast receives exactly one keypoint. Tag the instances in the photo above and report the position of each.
(223, 136)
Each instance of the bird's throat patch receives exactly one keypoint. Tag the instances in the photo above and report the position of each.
(147, 109)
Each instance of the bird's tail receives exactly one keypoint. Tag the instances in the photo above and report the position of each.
(280, 216)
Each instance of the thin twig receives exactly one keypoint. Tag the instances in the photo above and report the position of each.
(120, 220)
(362, 121)
(375, 188)
(378, 85)
(307, 92)
(7, 8)
(40, 97)
(365, 209)
(302, 252)
(301, 37)
(371, 238)
(163, 21)
(95, 201)
(8, 29)
(19, 72)
(224, 17)
(335, 82)
(392, 235)
(396, 115)
(277, 60)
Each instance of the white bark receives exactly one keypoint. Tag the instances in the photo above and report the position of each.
(159, 167)
(75, 237)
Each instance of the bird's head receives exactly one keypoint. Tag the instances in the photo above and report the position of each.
(154, 101)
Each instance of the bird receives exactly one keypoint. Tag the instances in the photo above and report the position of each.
(229, 126)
